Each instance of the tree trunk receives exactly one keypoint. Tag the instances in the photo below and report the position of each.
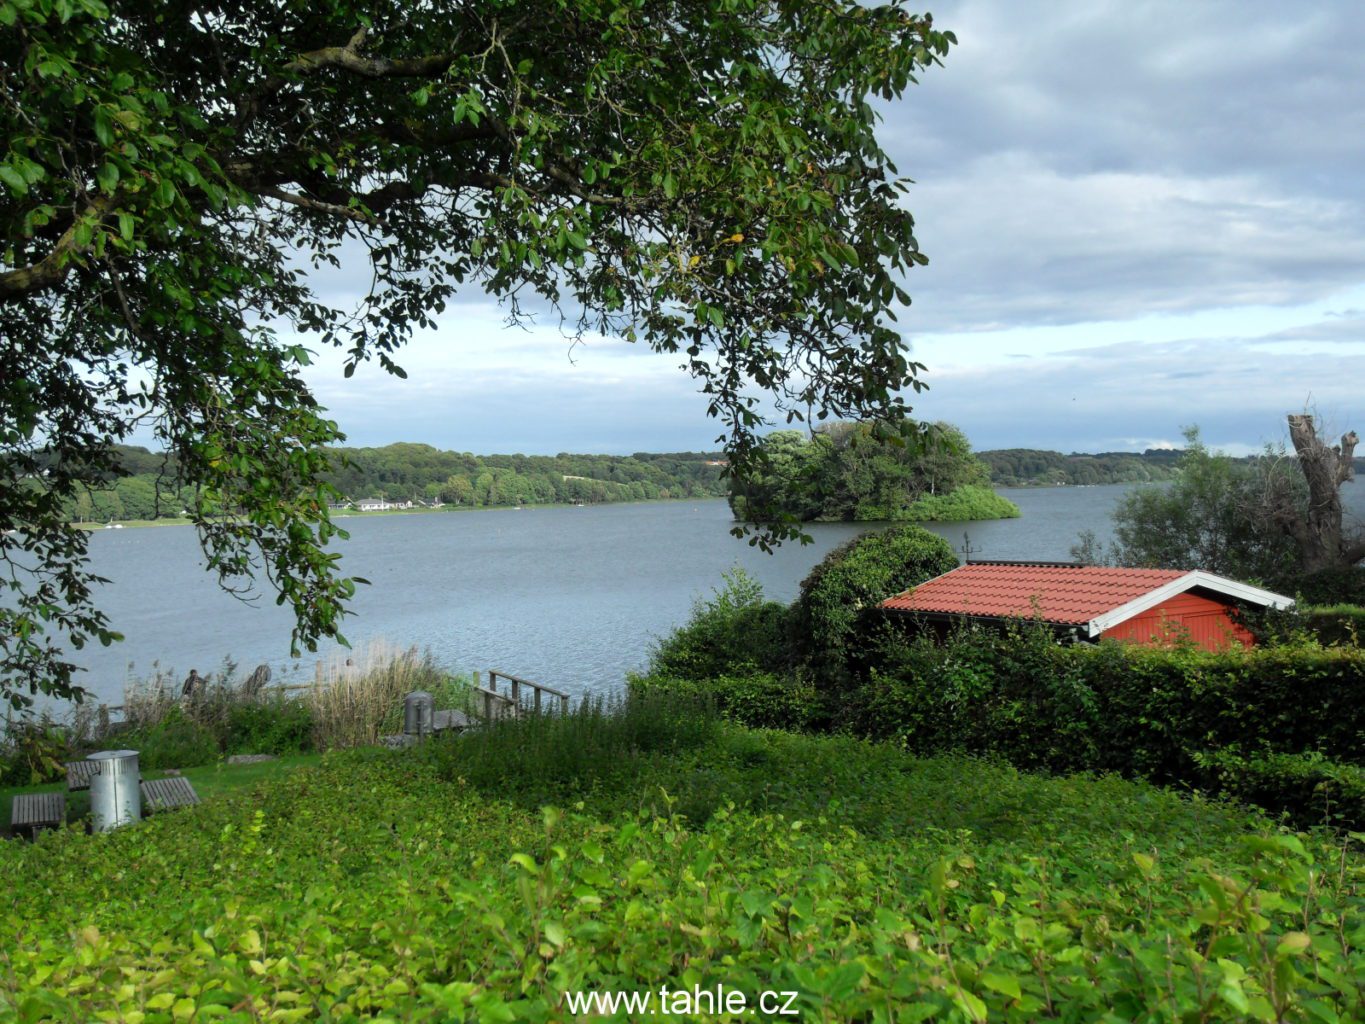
(1326, 468)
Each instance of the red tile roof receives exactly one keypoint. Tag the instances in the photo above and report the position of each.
(1065, 594)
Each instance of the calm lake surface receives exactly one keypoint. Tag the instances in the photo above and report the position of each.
(571, 597)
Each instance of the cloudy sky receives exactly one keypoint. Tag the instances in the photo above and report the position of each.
(1139, 215)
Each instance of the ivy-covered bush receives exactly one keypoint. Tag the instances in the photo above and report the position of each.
(837, 609)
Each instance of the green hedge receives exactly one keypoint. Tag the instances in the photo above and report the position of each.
(735, 630)
(1112, 707)
(760, 700)
(1342, 624)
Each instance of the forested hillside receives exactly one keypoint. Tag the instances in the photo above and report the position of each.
(454, 478)
(1033, 467)
(1022, 467)
(401, 472)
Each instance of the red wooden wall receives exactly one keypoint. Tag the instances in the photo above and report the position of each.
(1207, 622)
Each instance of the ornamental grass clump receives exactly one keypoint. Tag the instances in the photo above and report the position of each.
(356, 699)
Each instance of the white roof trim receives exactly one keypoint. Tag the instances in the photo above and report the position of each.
(1205, 580)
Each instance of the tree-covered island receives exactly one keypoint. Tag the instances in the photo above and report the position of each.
(860, 472)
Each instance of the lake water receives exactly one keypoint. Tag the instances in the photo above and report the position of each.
(571, 597)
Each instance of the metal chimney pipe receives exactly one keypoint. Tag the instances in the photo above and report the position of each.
(419, 709)
(115, 798)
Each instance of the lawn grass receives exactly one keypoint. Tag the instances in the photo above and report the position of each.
(208, 780)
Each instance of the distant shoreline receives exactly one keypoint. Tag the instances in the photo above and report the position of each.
(138, 524)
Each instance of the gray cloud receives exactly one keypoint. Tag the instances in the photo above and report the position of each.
(1127, 396)
(1085, 161)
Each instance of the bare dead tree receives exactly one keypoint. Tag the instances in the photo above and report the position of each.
(1325, 467)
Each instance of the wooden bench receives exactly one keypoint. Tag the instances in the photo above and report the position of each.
(167, 794)
(78, 774)
(32, 811)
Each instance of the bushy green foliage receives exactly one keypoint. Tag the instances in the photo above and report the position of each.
(1335, 624)
(32, 751)
(1311, 789)
(1219, 515)
(868, 472)
(735, 630)
(872, 885)
(960, 506)
(760, 700)
(1330, 586)
(838, 604)
(177, 740)
(273, 725)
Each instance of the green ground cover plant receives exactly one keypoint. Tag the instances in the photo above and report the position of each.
(422, 886)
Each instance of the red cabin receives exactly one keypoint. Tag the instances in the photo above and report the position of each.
(1145, 606)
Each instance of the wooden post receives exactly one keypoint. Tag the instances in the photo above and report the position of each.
(516, 693)
(564, 704)
(537, 700)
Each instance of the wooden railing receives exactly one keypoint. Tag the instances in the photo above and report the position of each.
(511, 702)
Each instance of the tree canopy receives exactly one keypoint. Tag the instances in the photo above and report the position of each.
(867, 471)
(701, 176)
(1275, 517)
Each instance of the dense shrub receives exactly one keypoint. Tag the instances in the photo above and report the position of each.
(1340, 624)
(1328, 586)
(871, 885)
(177, 740)
(838, 604)
(962, 505)
(270, 725)
(760, 700)
(33, 751)
(1308, 787)
(736, 630)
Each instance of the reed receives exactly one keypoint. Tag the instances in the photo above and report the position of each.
(357, 699)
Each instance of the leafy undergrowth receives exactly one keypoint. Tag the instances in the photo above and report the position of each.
(429, 886)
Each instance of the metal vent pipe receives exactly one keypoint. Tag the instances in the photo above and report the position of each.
(419, 709)
(115, 798)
